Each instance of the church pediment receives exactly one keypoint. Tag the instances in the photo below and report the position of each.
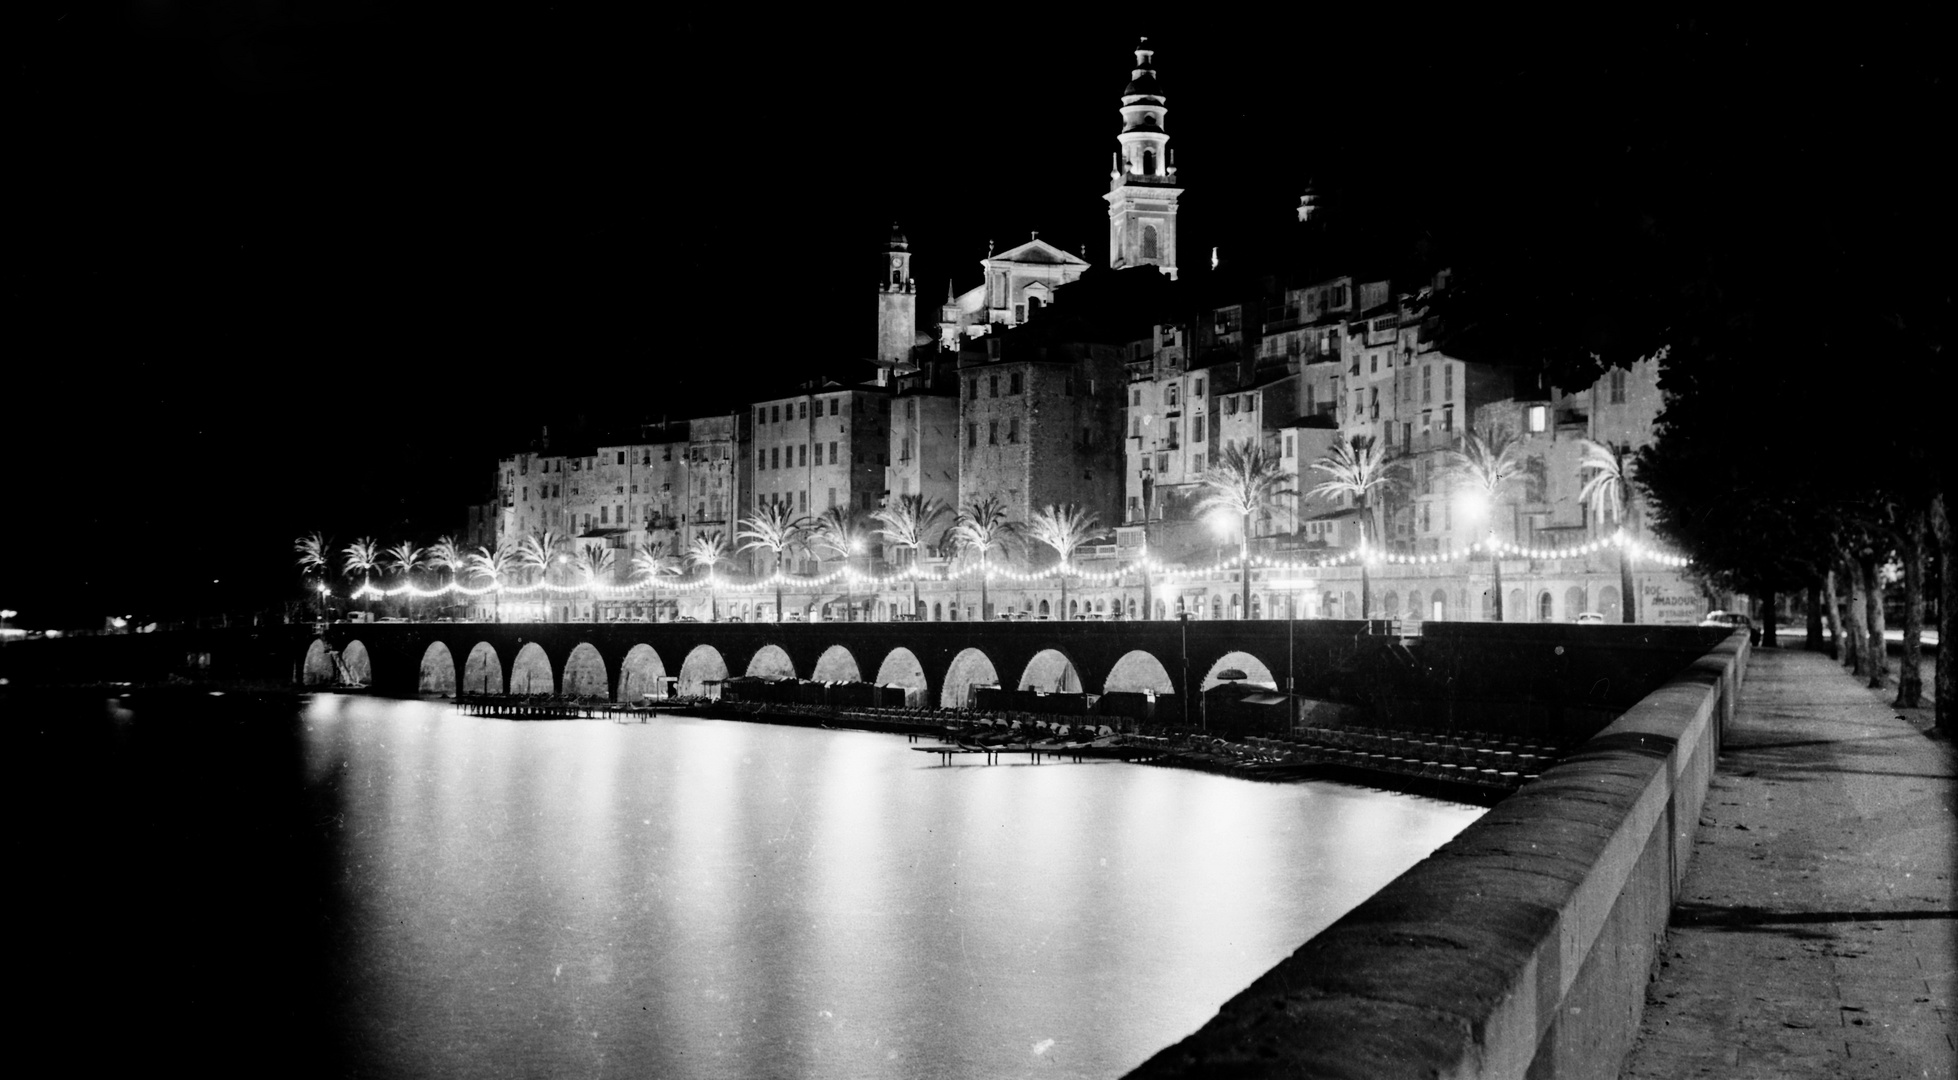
(1037, 252)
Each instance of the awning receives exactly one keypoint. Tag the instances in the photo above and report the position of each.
(1264, 699)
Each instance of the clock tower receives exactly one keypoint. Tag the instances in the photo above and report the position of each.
(1142, 187)
(897, 306)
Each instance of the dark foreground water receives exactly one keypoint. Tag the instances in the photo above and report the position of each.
(392, 889)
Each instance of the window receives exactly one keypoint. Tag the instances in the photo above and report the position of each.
(1288, 444)
(1617, 386)
(1427, 383)
(832, 498)
(1196, 428)
(1448, 380)
(1196, 463)
(805, 498)
(802, 452)
(1427, 519)
(775, 457)
(1149, 250)
(834, 405)
(1135, 396)
(992, 433)
(1162, 463)
(1169, 395)
(1019, 313)
(621, 457)
(775, 414)
(620, 489)
(1230, 406)
(1197, 390)
(1538, 416)
(972, 387)
(971, 435)
(526, 493)
(761, 415)
(816, 449)
(1447, 418)
(1373, 404)
(1373, 363)
(761, 460)
(832, 453)
(992, 386)
(910, 410)
(1135, 427)
(1250, 402)
(1013, 383)
(1013, 429)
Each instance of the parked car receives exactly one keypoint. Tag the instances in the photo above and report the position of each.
(686, 618)
(1590, 618)
(1733, 620)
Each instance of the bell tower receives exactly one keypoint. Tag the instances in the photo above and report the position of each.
(897, 304)
(1142, 187)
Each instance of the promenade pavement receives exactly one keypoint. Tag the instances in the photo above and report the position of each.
(1817, 933)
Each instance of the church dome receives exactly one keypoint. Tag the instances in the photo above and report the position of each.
(1142, 84)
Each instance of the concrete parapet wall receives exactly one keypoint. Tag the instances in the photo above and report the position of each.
(1519, 949)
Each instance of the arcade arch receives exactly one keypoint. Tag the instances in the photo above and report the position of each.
(641, 674)
(770, 662)
(1051, 670)
(702, 666)
(530, 673)
(901, 668)
(318, 668)
(584, 673)
(836, 665)
(969, 668)
(1138, 671)
(356, 669)
(482, 672)
(1255, 670)
(438, 673)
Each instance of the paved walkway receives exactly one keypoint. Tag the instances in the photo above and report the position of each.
(1817, 935)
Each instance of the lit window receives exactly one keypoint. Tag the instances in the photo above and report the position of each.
(1538, 416)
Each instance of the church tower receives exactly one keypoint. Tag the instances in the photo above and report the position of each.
(897, 305)
(1142, 187)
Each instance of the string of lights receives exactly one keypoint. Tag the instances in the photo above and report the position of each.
(1372, 556)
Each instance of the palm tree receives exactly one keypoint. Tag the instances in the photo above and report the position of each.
(1610, 485)
(982, 527)
(1359, 468)
(537, 552)
(1063, 528)
(315, 558)
(362, 557)
(596, 560)
(1488, 462)
(774, 527)
(1245, 482)
(446, 554)
(839, 530)
(494, 565)
(908, 522)
(405, 558)
(649, 560)
(709, 551)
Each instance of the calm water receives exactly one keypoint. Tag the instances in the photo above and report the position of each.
(697, 898)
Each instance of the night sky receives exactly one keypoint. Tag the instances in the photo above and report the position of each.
(286, 266)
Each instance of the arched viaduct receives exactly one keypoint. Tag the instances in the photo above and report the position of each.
(618, 660)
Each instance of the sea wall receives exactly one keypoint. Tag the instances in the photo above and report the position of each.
(1519, 949)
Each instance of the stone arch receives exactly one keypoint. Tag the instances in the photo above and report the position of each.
(584, 673)
(771, 662)
(1045, 609)
(1546, 606)
(968, 669)
(1513, 609)
(1574, 601)
(835, 665)
(1260, 675)
(702, 666)
(530, 672)
(1050, 669)
(355, 665)
(482, 672)
(1438, 605)
(1137, 671)
(1608, 604)
(937, 611)
(1390, 605)
(317, 670)
(1349, 607)
(438, 672)
(901, 668)
(641, 674)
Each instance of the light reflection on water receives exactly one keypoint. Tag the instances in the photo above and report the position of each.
(698, 898)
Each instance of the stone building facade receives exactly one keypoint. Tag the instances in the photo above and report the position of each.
(826, 446)
(1040, 420)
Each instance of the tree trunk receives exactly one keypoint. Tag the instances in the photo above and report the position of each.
(1945, 691)
(1910, 681)
(778, 588)
(1855, 638)
(916, 604)
(1627, 589)
(1496, 599)
(1832, 612)
(1148, 598)
(1814, 642)
(1879, 655)
(1768, 600)
(1244, 567)
(984, 602)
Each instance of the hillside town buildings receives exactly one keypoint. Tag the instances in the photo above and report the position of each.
(1116, 389)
